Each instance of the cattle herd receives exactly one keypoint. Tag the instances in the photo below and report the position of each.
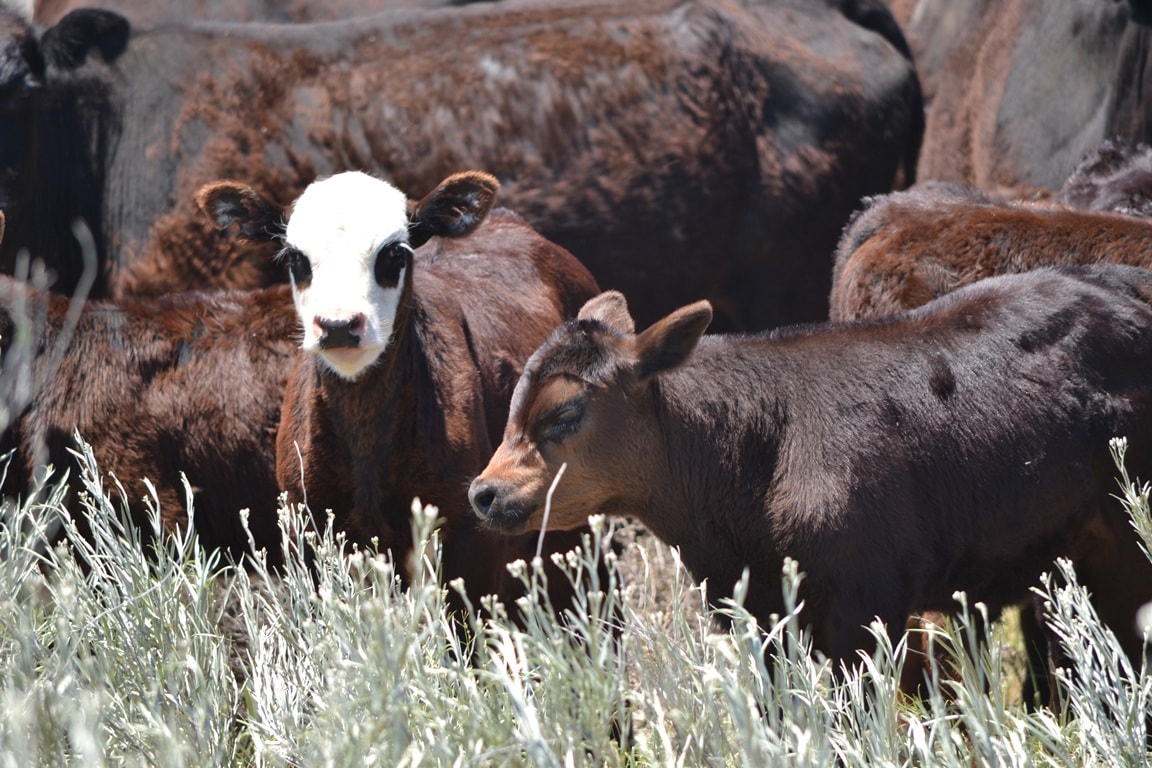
(257, 245)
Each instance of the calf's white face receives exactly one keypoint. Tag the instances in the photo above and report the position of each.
(348, 254)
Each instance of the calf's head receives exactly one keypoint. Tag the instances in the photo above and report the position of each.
(348, 244)
(585, 402)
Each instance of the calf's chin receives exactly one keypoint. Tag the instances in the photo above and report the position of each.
(349, 363)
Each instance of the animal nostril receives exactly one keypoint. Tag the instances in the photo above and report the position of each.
(341, 332)
(482, 499)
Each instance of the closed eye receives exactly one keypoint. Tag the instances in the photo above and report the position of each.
(564, 420)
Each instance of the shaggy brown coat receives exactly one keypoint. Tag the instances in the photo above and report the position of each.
(680, 148)
(185, 384)
(910, 247)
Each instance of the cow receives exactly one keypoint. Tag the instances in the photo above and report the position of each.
(150, 13)
(187, 384)
(907, 248)
(960, 446)
(407, 358)
(680, 148)
(1019, 90)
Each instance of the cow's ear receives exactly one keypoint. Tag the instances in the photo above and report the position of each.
(229, 202)
(66, 45)
(669, 342)
(3, 221)
(611, 309)
(454, 209)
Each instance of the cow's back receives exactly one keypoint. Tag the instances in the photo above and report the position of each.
(910, 247)
(700, 149)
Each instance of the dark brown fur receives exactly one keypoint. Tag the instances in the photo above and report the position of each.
(910, 247)
(679, 149)
(959, 446)
(187, 383)
(1116, 176)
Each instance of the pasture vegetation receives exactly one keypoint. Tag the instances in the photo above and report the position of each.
(111, 656)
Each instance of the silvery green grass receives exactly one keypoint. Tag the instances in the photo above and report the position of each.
(114, 652)
(113, 655)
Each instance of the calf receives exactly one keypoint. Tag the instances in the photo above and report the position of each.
(960, 446)
(408, 359)
(910, 247)
(185, 384)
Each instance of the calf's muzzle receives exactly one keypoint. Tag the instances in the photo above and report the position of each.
(493, 506)
(340, 333)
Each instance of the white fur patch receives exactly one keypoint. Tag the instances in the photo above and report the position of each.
(340, 223)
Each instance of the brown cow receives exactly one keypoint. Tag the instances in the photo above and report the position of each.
(1018, 90)
(407, 361)
(960, 446)
(910, 247)
(680, 148)
(188, 383)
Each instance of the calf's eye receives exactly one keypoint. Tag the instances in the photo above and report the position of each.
(390, 262)
(299, 266)
(565, 422)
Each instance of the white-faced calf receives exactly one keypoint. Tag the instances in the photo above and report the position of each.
(409, 357)
(961, 446)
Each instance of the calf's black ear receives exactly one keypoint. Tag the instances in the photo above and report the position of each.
(610, 309)
(66, 45)
(668, 342)
(455, 208)
(229, 202)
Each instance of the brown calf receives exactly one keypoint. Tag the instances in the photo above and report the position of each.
(960, 446)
